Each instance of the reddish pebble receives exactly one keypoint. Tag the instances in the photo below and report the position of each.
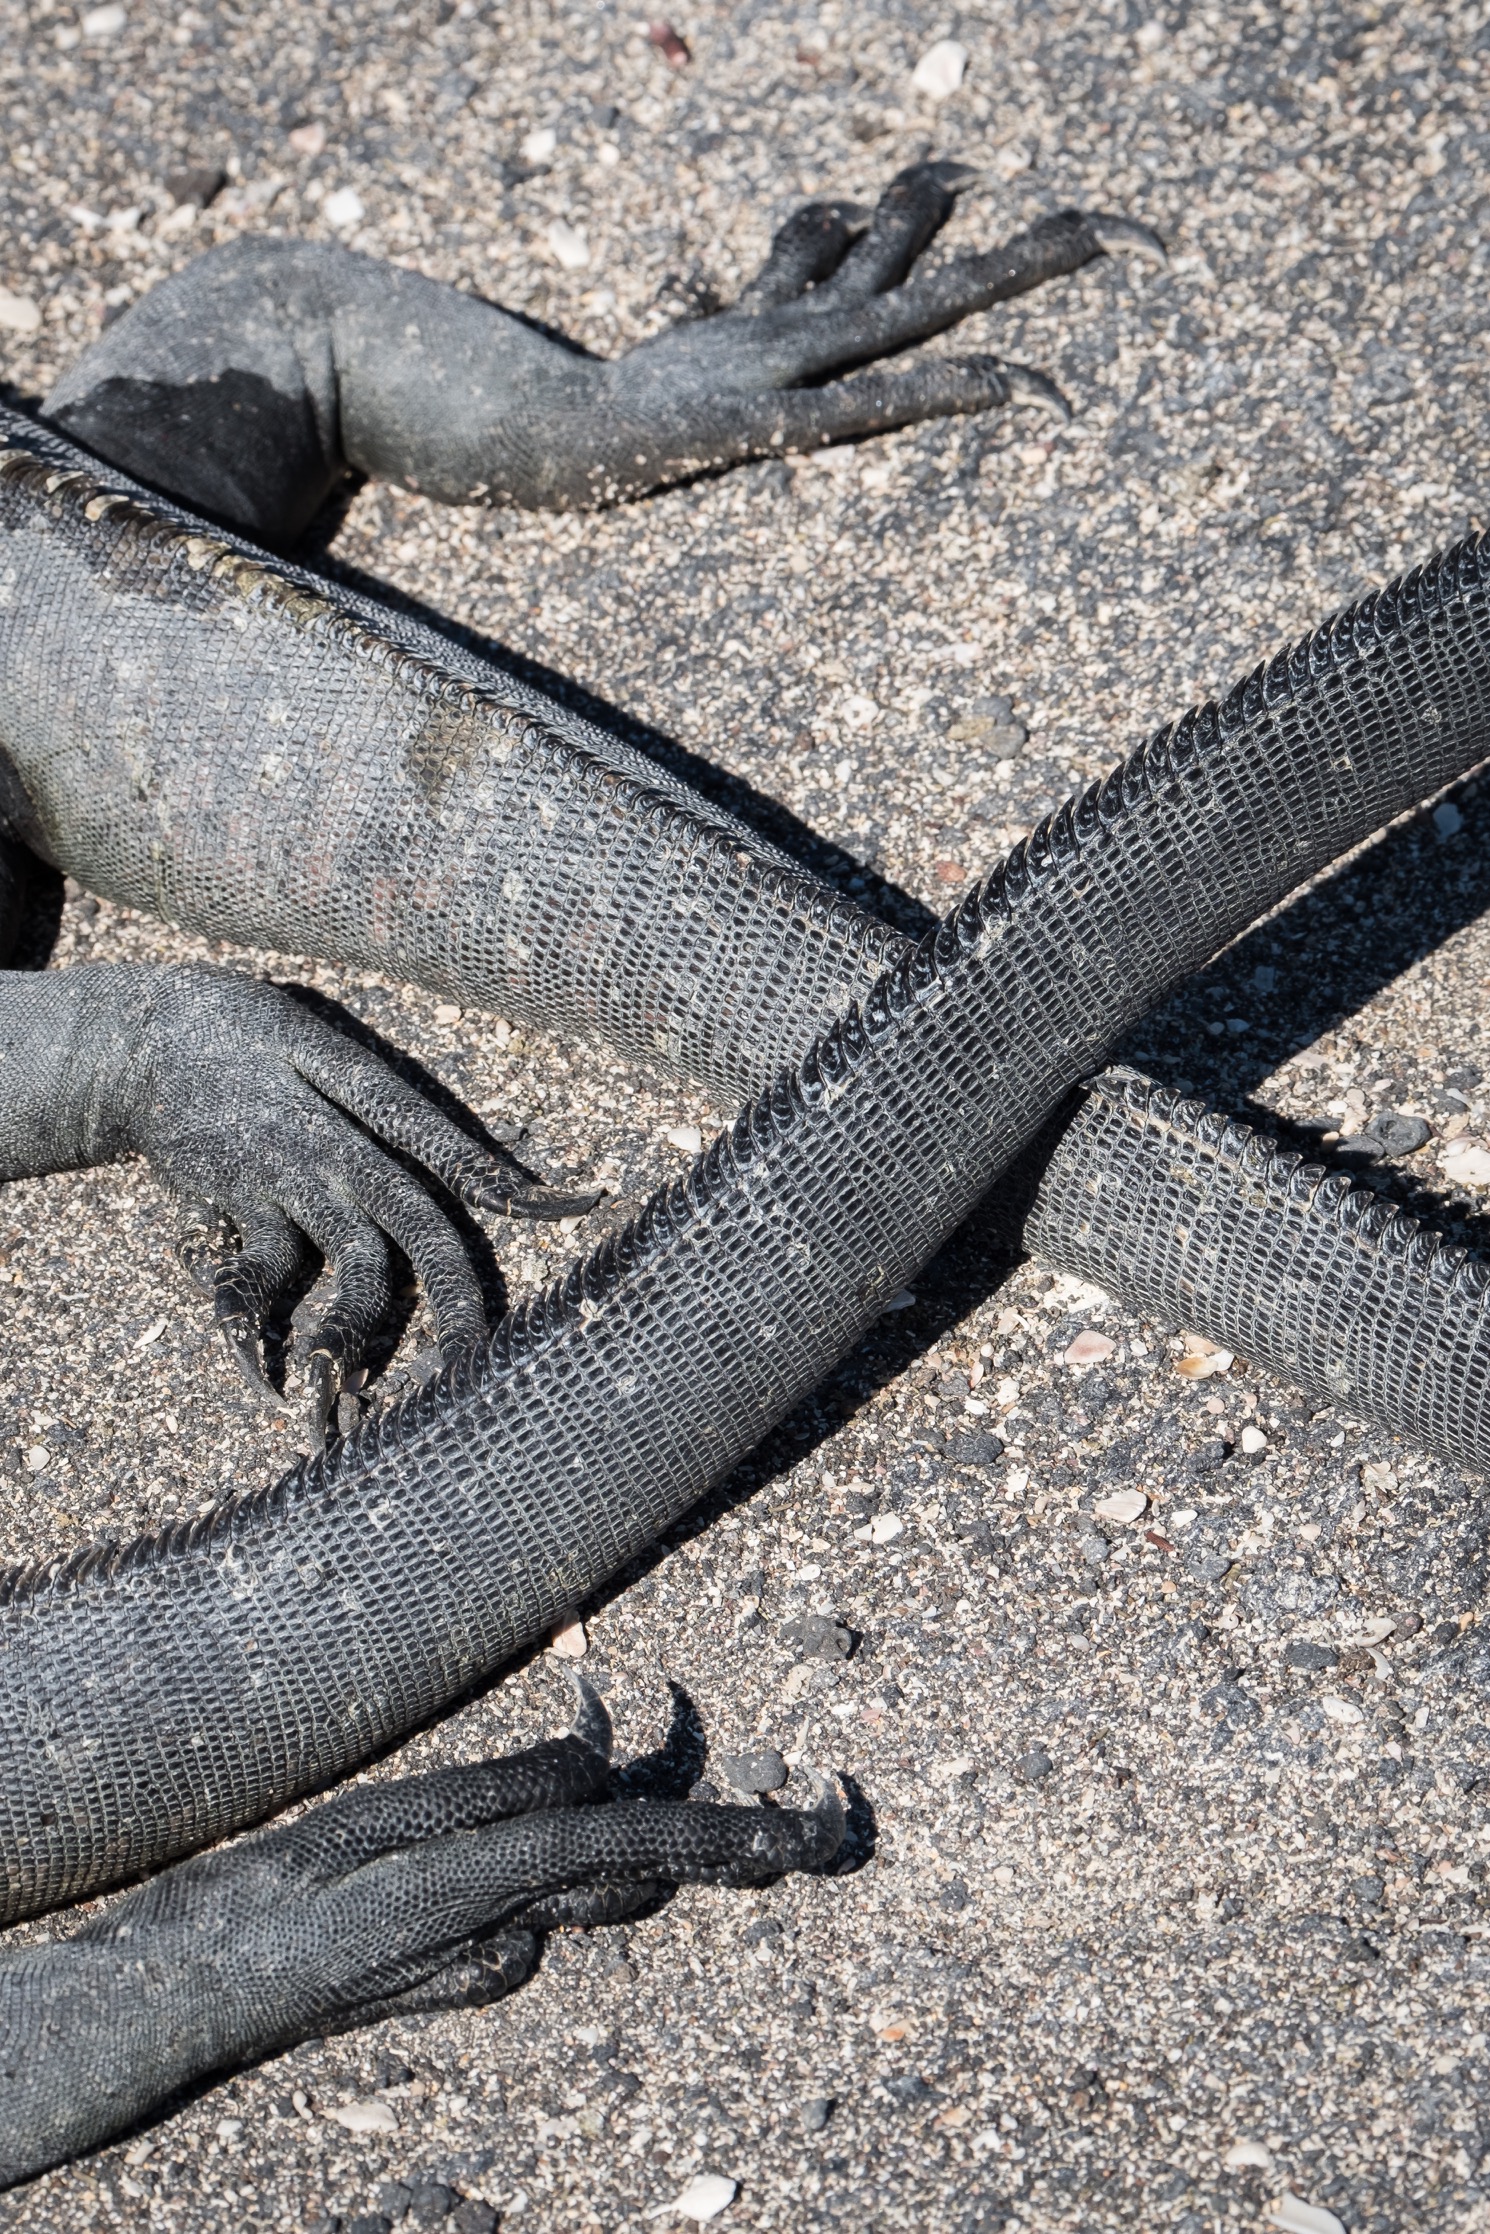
(668, 43)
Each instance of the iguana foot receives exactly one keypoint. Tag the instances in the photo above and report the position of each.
(430, 1893)
(266, 1120)
(330, 360)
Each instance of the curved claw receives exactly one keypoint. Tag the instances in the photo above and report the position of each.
(591, 1726)
(1124, 236)
(239, 1333)
(323, 1382)
(1027, 386)
(537, 1201)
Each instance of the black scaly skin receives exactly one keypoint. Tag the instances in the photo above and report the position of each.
(249, 382)
(158, 1695)
(428, 1893)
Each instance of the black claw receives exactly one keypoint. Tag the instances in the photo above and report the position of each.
(1124, 236)
(534, 1201)
(322, 1381)
(243, 1348)
(592, 1724)
(1027, 386)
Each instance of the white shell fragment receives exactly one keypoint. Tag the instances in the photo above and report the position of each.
(1340, 1710)
(940, 70)
(343, 208)
(687, 1137)
(364, 2117)
(567, 245)
(1247, 2156)
(706, 2195)
(18, 313)
(1124, 1506)
(1466, 1162)
(1296, 2216)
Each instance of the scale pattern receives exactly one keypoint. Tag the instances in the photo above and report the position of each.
(157, 1696)
(228, 742)
(1187, 1213)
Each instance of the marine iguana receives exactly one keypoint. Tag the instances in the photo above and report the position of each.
(160, 1694)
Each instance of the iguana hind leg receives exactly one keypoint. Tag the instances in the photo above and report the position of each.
(249, 382)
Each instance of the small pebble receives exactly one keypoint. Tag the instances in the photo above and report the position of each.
(1310, 1657)
(706, 2195)
(752, 1772)
(1033, 1767)
(675, 51)
(370, 2222)
(940, 71)
(392, 2198)
(1248, 2156)
(309, 139)
(687, 1137)
(816, 2113)
(197, 188)
(540, 146)
(107, 23)
(1340, 1710)
(1398, 1135)
(344, 208)
(431, 2203)
(447, 1013)
(473, 2217)
(1447, 820)
(1369, 1891)
(1253, 1441)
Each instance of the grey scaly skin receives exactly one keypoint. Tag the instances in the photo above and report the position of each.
(158, 1695)
(429, 1893)
(163, 1693)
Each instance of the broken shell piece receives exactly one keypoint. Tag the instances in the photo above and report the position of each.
(1124, 1506)
(569, 1641)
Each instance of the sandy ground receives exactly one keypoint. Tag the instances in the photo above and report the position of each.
(1142, 1889)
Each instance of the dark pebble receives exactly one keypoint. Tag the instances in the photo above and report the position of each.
(430, 2205)
(703, 1790)
(817, 1636)
(1408, 1625)
(764, 1932)
(1369, 1891)
(199, 186)
(752, 1772)
(1447, 1632)
(392, 2198)
(473, 2217)
(910, 2091)
(976, 1446)
(393, 2073)
(816, 2113)
(1465, 1079)
(1398, 1135)
(1302, 1653)
(953, 1896)
(370, 2222)
(1033, 1767)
